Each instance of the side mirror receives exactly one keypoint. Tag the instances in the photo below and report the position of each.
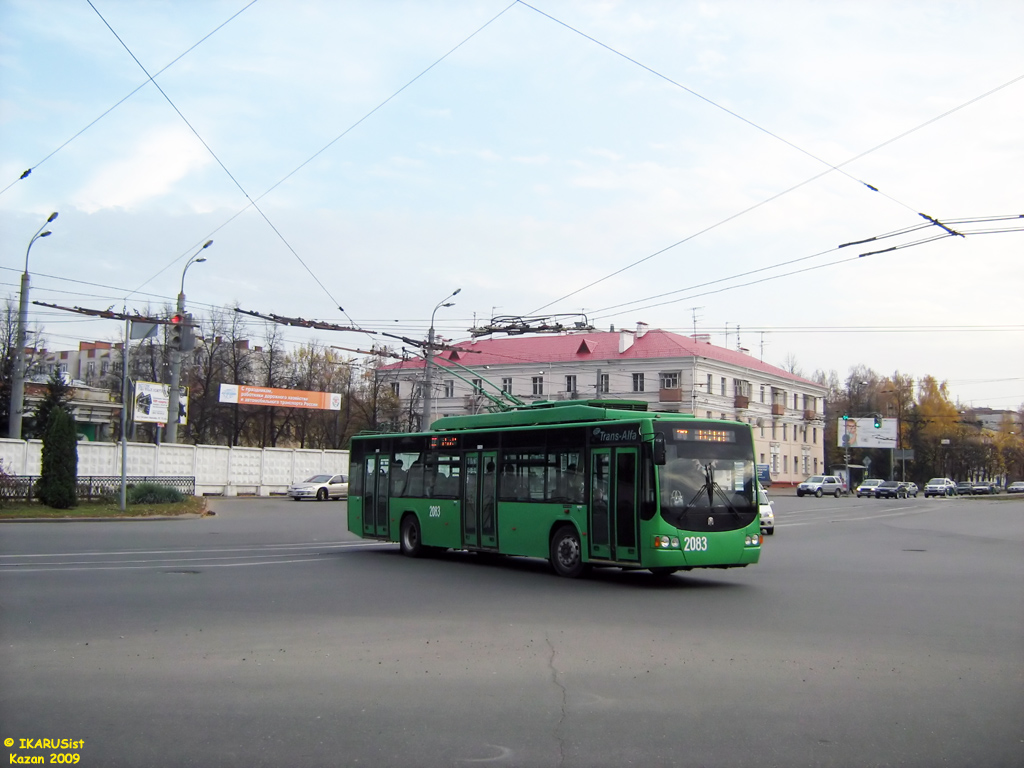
(659, 449)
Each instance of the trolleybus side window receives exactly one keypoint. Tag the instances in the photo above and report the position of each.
(448, 472)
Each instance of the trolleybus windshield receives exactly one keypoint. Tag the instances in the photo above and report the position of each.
(707, 482)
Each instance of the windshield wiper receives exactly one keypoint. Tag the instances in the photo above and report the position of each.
(712, 487)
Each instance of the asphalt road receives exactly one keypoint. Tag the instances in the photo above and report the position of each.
(872, 633)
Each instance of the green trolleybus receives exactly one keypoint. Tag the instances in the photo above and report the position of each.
(580, 483)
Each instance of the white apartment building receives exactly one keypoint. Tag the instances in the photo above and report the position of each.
(670, 372)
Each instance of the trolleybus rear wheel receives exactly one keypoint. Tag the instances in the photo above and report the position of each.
(566, 552)
(411, 542)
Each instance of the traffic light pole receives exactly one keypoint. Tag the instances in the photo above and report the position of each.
(174, 402)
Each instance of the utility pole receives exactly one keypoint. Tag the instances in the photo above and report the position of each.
(174, 399)
(427, 384)
(17, 405)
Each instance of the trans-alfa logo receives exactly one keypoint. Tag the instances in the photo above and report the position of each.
(626, 435)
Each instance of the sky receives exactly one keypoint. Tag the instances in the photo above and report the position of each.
(691, 165)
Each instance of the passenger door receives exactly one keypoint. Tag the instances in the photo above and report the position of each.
(479, 500)
(613, 503)
(375, 496)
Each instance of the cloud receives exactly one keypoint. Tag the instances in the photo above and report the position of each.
(148, 170)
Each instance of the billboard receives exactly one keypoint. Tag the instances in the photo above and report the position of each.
(151, 402)
(862, 433)
(284, 398)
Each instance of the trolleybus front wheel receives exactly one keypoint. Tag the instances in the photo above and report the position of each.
(566, 552)
(411, 542)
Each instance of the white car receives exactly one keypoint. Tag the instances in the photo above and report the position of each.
(820, 485)
(867, 488)
(939, 486)
(320, 487)
(766, 509)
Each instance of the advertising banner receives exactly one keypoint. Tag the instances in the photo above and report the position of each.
(284, 398)
(862, 433)
(152, 400)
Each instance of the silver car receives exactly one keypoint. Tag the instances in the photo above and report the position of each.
(320, 487)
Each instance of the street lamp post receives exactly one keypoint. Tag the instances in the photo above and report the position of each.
(174, 398)
(17, 405)
(425, 423)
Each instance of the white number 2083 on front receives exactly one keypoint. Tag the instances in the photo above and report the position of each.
(695, 544)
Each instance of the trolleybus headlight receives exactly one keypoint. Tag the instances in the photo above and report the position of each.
(666, 542)
(675, 542)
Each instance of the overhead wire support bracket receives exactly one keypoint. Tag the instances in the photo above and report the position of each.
(517, 325)
(109, 314)
(299, 322)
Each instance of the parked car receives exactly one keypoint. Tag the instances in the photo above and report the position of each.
(985, 488)
(912, 489)
(964, 488)
(320, 487)
(819, 485)
(939, 486)
(766, 508)
(867, 488)
(1017, 487)
(892, 489)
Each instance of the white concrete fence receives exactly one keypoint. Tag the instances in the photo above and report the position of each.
(218, 470)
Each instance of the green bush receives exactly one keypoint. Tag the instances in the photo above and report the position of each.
(153, 493)
(59, 474)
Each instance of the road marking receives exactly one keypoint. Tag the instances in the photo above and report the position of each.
(168, 562)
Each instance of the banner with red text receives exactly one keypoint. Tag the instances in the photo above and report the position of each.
(282, 398)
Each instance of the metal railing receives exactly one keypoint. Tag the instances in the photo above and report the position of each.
(94, 488)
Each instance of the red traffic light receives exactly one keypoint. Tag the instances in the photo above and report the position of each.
(176, 320)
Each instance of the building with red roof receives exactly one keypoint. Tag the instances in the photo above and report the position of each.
(670, 372)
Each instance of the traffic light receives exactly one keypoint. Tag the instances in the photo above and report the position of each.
(188, 335)
(174, 339)
(878, 421)
(846, 417)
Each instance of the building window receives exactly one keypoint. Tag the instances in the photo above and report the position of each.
(478, 385)
(723, 386)
(670, 380)
(785, 432)
(506, 385)
(538, 385)
(570, 384)
(710, 380)
(796, 401)
(815, 466)
(602, 383)
(721, 416)
(814, 434)
(709, 414)
(449, 388)
(90, 368)
(762, 393)
(796, 465)
(762, 458)
(638, 382)
(104, 368)
(774, 431)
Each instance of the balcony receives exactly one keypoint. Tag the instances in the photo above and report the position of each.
(778, 409)
(742, 402)
(810, 415)
(670, 395)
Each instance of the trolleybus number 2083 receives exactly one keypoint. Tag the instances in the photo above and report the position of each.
(581, 484)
